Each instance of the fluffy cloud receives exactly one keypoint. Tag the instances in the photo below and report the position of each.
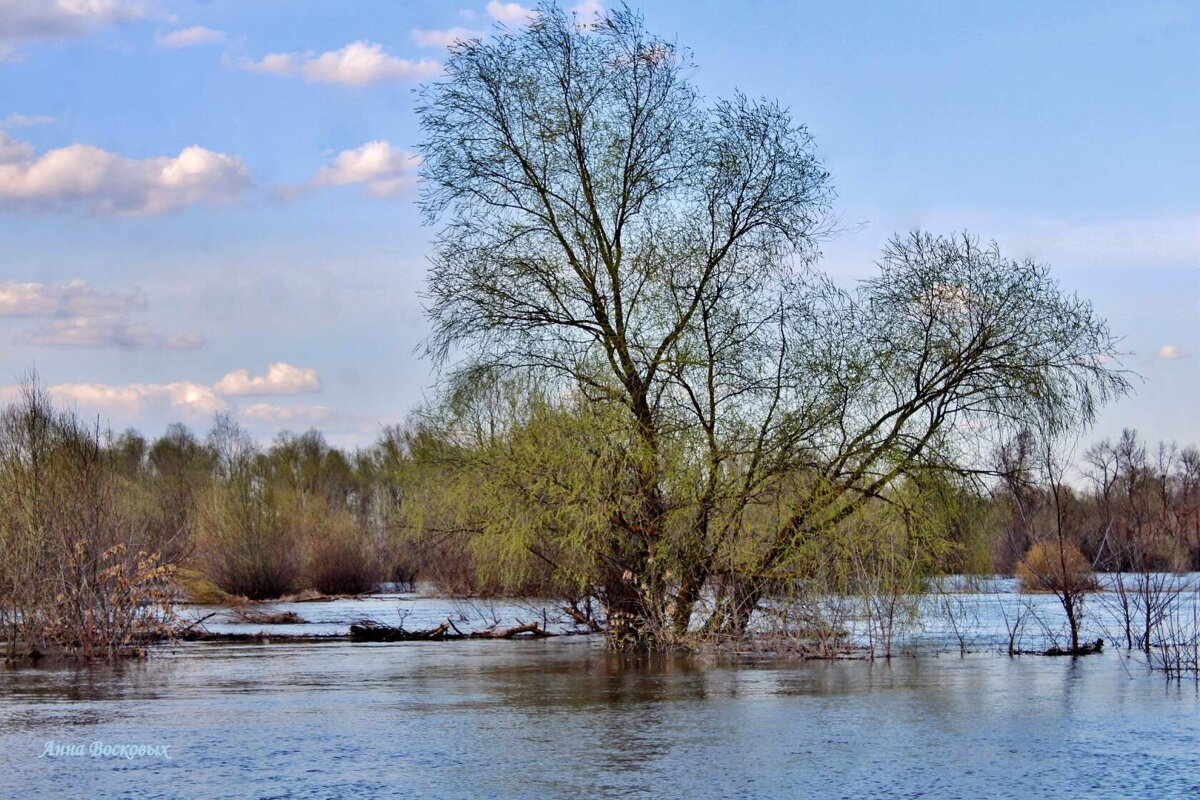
(280, 379)
(182, 397)
(142, 404)
(443, 38)
(62, 19)
(1170, 352)
(189, 37)
(509, 13)
(197, 401)
(82, 316)
(357, 64)
(348, 429)
(106, 183)
(382, 168)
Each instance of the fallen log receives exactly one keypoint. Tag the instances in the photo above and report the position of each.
(583, 619)
(369, 632)
(510, 633)
(384, 633)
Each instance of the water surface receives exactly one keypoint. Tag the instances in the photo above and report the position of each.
(562, 718)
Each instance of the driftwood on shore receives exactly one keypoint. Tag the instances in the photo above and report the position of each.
(372, 632)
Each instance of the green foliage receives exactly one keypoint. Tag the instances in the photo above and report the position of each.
(638, 261)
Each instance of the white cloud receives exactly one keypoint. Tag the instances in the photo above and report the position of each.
(12, 150)
(383, 168)
(348, 429)
(196, 403)
(271, 64)
(193, 401)
(280, 379)
(71, 299)
(82, 316)
(443, 38)
(110, 184)
(182, 397)
(1170, 352)
(357, 64)
(272, 414)
(22, 20)
(510, 13)
(106, 332)
(189, 37)
(24, 120)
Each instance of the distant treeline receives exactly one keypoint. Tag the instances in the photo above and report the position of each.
(99, 530)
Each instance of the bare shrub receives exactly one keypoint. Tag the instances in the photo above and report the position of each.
(1146, 505)
(1174, 647)
(111, 602)
(242, 545)
(954, 602)
(808, 621)
(1015, 622)
(75, 569)
(340, 558)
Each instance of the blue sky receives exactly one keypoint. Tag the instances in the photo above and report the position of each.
(191, 192)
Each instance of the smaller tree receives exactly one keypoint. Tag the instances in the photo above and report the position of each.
(1047, 514)
(1143, 511)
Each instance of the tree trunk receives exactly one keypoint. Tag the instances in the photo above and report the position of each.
(734, 606)
(629, 625)
(686, 598)
(1069, 602)
(633, 590)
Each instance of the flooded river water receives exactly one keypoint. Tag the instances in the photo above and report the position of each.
(561, 718)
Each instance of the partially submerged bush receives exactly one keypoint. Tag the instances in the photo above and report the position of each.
(76, 570)
(1042, 569)
(113, 602)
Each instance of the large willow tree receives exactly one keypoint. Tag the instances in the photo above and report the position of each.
(622, 242)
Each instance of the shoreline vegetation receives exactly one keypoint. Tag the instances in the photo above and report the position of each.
(655, 408)
(119, 596)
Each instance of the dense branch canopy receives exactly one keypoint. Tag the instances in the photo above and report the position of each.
(593, 202)
(615, 239)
